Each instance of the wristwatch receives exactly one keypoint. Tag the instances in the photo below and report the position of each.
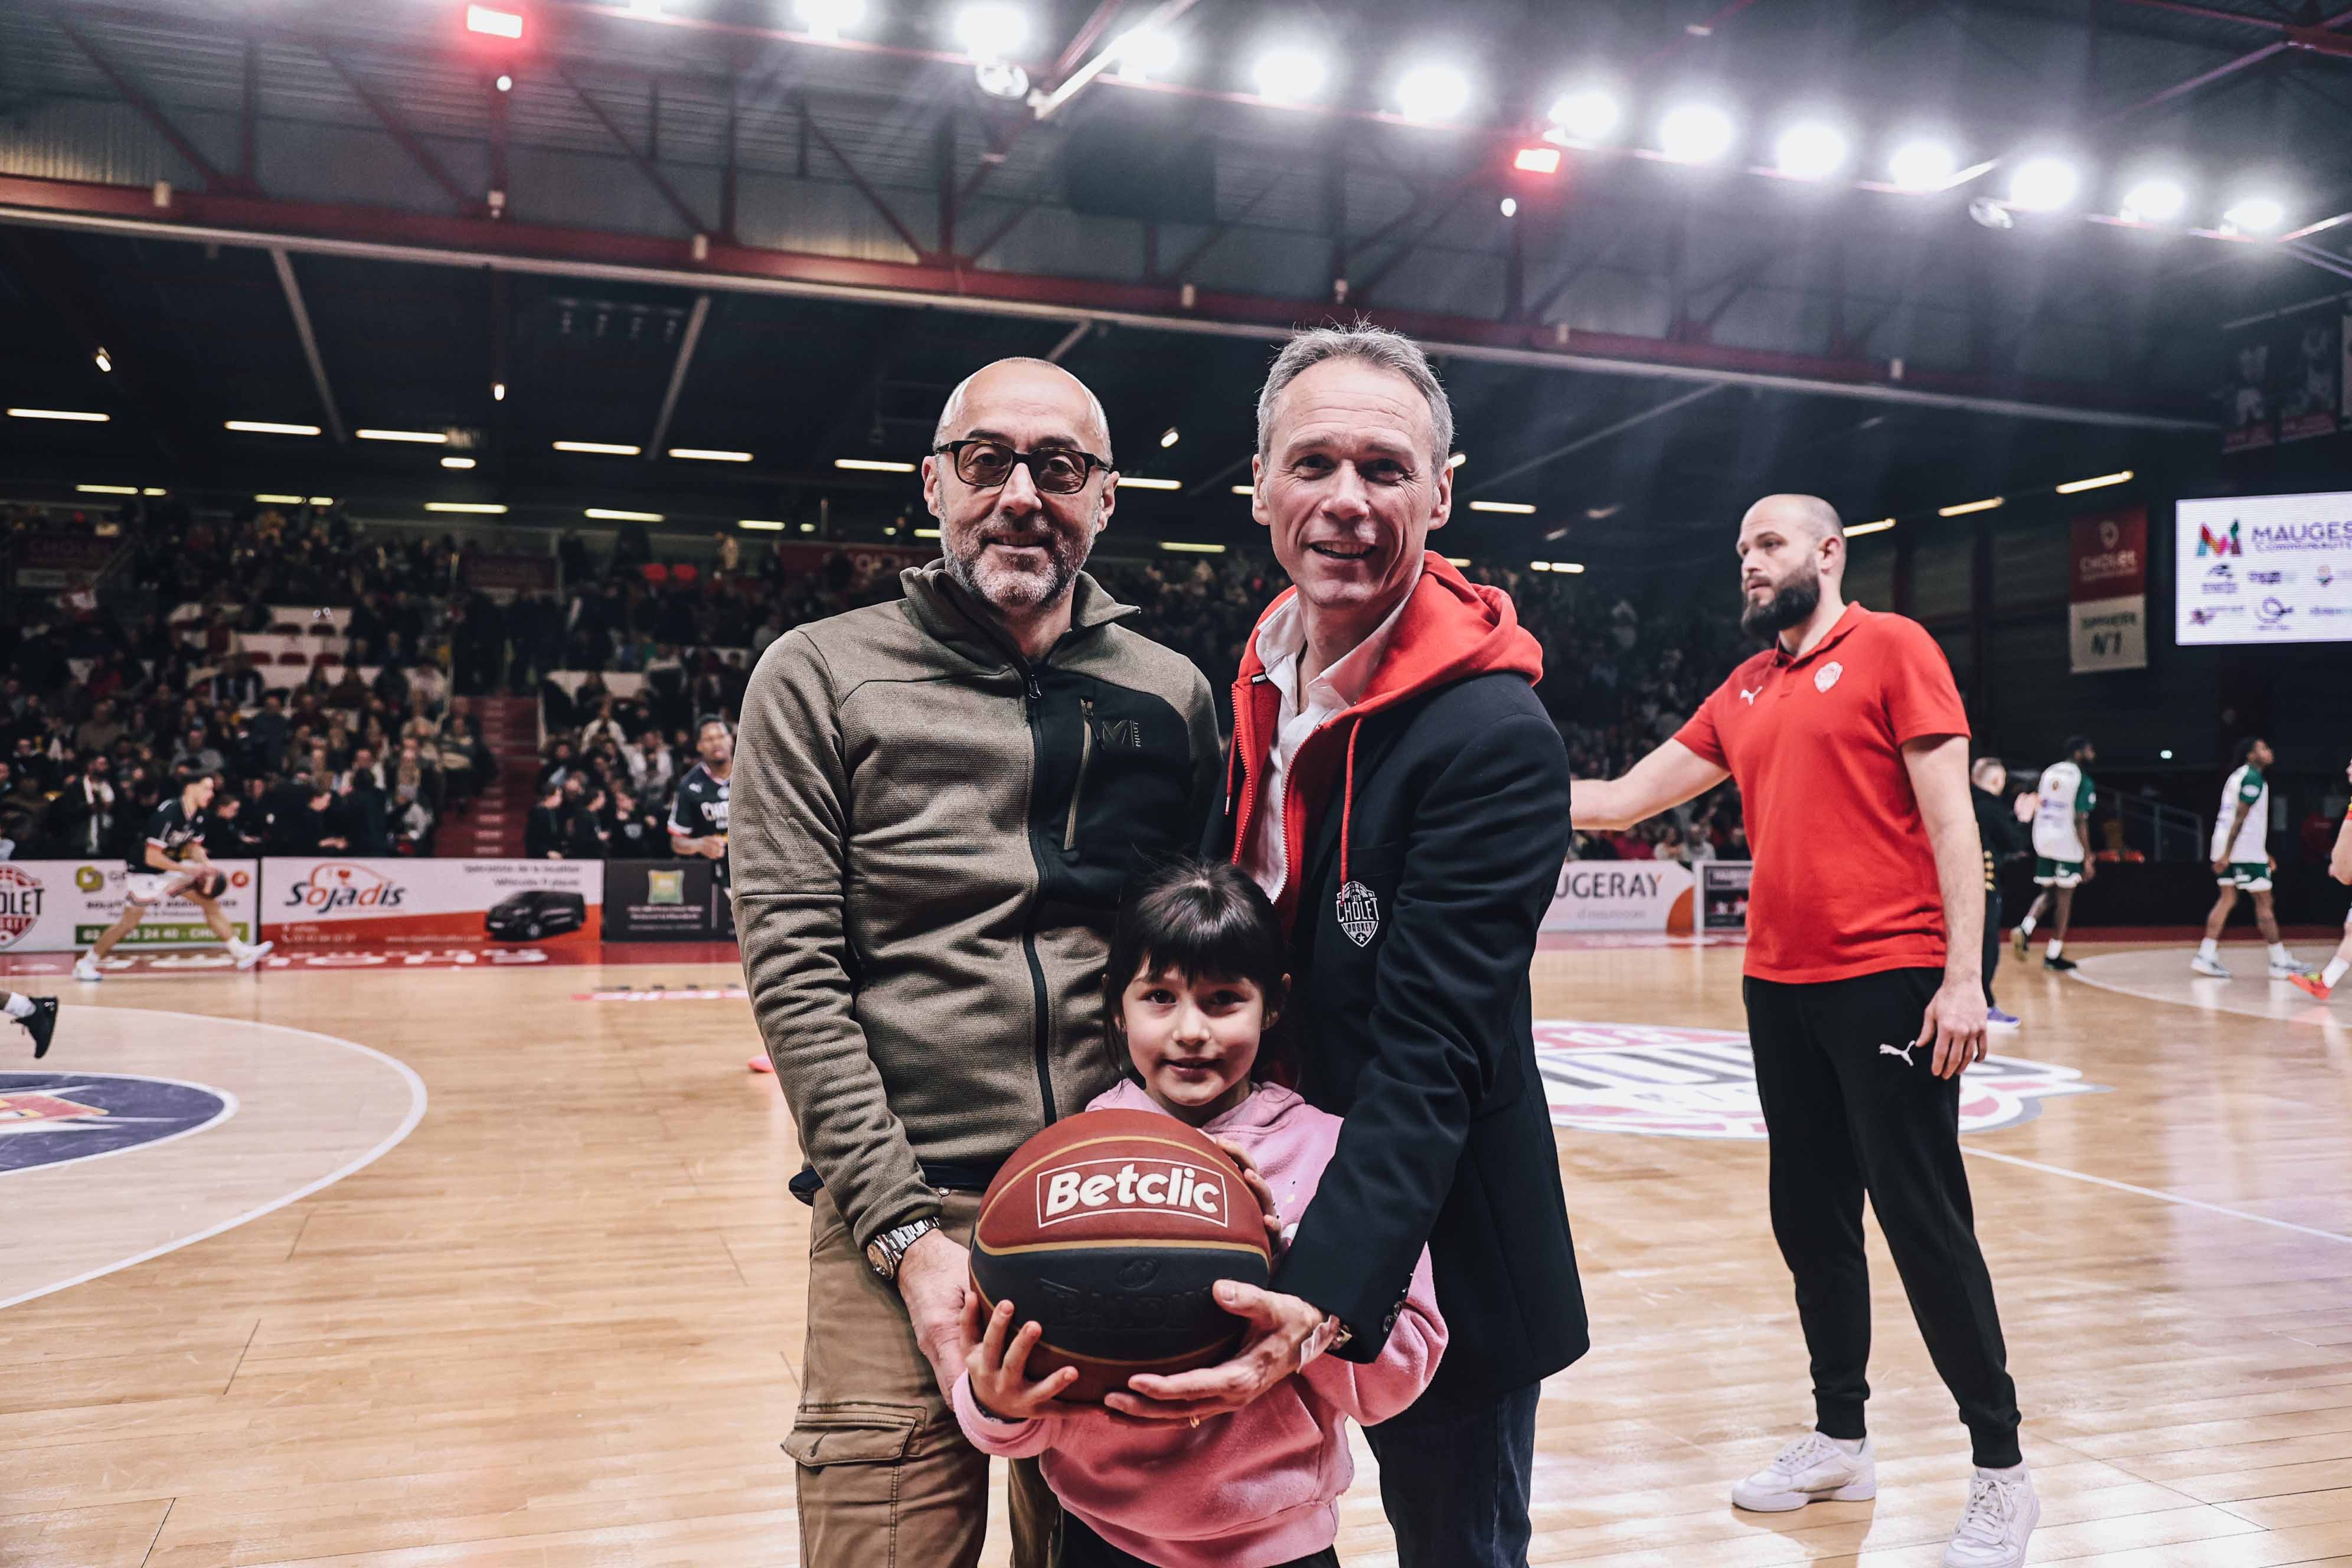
(887, 1250)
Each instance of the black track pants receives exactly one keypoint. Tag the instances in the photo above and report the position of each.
(1991, 940)
(1848, 1110)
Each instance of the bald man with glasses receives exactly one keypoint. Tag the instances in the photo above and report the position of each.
(936, 802)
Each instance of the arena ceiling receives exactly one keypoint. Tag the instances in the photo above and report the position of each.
(710, 229)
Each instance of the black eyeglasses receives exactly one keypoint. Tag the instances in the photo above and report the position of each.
(1060, 472)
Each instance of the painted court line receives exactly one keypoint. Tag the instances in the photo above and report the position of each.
(2152, 1193)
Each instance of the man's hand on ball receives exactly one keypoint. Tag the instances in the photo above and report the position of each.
(999, 1364)
(1252, 1179)
(932, 1281)
(1275, 1347)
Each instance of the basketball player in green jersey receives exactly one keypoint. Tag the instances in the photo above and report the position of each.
(2062, 855)
(2243, 862)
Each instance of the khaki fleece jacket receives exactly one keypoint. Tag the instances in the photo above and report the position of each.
(928, 835)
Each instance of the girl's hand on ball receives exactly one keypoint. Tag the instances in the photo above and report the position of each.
(1259, 1190)
(1000, 1370)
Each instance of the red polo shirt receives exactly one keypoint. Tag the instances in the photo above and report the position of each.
(1844, 882)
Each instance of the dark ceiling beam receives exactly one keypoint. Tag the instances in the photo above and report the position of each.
(405, 137)
(1362, 292)
(643, 164)
(677, 372)
(149, 111)
(1674, 404)
(292, 289)
(865, 188)
(1209, 241)
(546, 250)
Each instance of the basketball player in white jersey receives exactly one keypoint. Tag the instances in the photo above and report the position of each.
(2339, 866)
(171, 861)
(2243, 862)
(37, 1014)
(2062, 855)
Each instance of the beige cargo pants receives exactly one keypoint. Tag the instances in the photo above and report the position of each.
(886, 1478)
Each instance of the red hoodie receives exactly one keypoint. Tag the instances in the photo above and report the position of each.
(1452, 629)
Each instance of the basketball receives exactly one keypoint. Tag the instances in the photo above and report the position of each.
(1109, 1228)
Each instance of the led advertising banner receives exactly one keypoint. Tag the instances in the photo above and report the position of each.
(2264, 569)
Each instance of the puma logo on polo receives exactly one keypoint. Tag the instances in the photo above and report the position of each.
(1749, 697)
(1905, 1052)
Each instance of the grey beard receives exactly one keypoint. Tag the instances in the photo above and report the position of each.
(1789, 605)
(1017, 591)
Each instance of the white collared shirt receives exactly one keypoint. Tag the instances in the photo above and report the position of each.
(1281, 643)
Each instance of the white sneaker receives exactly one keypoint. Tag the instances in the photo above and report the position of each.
(85, 968)
(2209, 967)
(1813, 1469)
(2286, 971)
(249, 954)
(1998, 1522)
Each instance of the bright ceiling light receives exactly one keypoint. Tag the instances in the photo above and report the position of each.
(1508, 207)
(1186, 547)
(2155, 201)
(1246, 489)
(1967, 507)
(1695, 134)
(76, 415)
(106, 489)
(1288, 74)
(709, 455)
(1517, 508)
(1537, 160)
(1555, 566)
(457, 462)
(2043, 185)
(505, 83)
(2100, 482)
(421, 438)
(2255, 214)
(105, 361)
(1432, 93)
(608, 514)
(1881, 526)
(1810, 150)
(497, 24)
(873, 466)
(1169, 437)
(1585, 114)
(1130, 482)
(279, 501)
(268, 427)
(759, 524)
(497, 392)
(990, 31)
(1456, 460)
(650, 10)
(601, 449)
(830, 18)
(1922, 163)
(154, 490)
(479, 508)
(322, 500)
(1147, 53)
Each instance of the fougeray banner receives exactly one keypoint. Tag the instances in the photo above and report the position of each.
(59, 906)
(2107, 590)
(1621, 895)
(346, 901)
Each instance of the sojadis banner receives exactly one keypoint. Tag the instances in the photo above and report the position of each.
(1621, 895)
(59, 906)
(346, 901)
(2107, 589)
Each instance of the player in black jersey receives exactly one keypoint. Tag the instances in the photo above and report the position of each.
(37, 1014)
(698, 819)
(168, 862)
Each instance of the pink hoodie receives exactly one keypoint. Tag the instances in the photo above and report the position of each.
(1261, 1486)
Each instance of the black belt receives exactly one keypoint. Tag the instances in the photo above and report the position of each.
(944, 1175)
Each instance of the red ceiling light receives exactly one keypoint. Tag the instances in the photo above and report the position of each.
(1537, 160)
(498, 23)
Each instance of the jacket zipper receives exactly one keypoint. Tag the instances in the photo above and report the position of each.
(1033, 694)
(1086, 760)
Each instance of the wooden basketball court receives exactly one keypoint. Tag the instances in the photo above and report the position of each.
(547, 1309)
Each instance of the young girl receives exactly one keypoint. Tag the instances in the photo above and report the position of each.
(1193, 993)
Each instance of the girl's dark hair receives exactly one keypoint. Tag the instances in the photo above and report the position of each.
(1198, 918)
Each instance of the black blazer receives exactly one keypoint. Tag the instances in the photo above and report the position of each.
(1419, 1036)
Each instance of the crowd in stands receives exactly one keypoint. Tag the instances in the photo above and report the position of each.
(101, 706)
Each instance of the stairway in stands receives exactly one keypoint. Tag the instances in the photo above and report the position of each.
(491, 827)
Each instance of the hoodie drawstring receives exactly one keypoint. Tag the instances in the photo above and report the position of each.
(1348, 802)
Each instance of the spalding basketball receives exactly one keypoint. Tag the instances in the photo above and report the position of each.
(1109, 1228)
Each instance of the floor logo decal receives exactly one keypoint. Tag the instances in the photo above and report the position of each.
(1701, 1083)
(52, 1119)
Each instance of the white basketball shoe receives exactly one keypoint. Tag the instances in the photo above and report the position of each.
(85, 969)
(1998, 1523)
(249, 954)
(1813, 1469)
(2209, 967)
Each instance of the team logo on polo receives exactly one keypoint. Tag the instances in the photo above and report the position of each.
(1701, 1083)
(1085, 1187)
(20, 902)
(1359, 912)
(1827, 676)
(52, 1119)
